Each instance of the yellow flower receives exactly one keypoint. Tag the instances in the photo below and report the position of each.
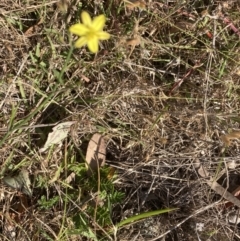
(90, 31)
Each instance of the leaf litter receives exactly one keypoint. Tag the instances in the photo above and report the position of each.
(58, 134)
(20, 182)
(96, 153)
(168, 167)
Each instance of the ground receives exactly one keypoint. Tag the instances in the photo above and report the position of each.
(163, 92)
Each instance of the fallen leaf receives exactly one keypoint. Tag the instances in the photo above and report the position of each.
(223, 192)
(33, 29)
(235, 193)
(131, 4)
(227, 138)
(200, 169)
(21, 182)
(134, 41)
(96, 153)
(59, 133)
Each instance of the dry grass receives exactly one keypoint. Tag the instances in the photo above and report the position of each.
(162, 91)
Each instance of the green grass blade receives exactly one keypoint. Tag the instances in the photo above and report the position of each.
(144, 215)
(12, 117)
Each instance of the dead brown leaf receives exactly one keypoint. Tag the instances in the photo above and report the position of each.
(235, 193)
(33, 29)
(134, 41)
(131, 4)
(223, 192)
(227, 138)
(96, 153)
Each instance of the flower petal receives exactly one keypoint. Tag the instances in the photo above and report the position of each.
(86, 19)
(79, 29)
(103, 35)
(80, 42)
(93, 44)
(99, 22)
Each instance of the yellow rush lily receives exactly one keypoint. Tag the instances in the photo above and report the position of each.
(90, 31)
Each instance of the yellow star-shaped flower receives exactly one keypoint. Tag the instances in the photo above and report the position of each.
(90, 31)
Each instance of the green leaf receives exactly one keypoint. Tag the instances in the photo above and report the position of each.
(38, 51)
(144, 215)
(47, 204)
(82, 228)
